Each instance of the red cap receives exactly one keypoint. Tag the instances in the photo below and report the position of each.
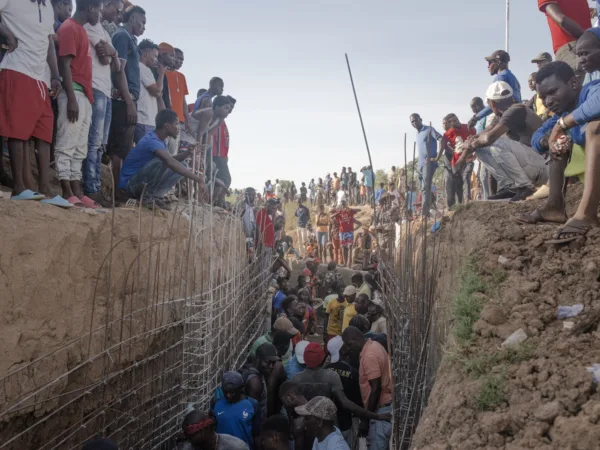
(314, 355)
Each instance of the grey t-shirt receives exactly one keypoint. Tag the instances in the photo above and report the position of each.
(226, 442)
(521, 122)
(318, 382)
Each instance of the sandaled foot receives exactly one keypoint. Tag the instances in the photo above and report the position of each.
(570, 231)
(541, 216)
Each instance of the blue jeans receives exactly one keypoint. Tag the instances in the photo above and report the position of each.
(425, 173)
(97, 139)
(157, 179)
(380, 431)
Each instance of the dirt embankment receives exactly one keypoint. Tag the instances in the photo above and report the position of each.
(497, 277)
(75, 315)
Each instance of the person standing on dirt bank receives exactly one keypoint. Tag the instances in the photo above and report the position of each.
(427, 146)
(386, 217)
(576, 122)
(347, 225)
(375, 385)
(322, 225)
(302, 220)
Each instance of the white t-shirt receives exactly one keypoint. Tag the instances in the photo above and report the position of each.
(341, 195)
(100, 72)
(335, 441)
(278, 189)
(23, 19)
(147, 106)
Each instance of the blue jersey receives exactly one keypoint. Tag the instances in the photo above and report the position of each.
(241, 419)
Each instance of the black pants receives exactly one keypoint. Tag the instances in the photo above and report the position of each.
(120, 138)
(454, 188)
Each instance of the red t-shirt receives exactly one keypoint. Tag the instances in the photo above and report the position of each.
(346, 220)
(266, 231)
(577, 10)
(221, 141)
(73, 41)
(464, 132)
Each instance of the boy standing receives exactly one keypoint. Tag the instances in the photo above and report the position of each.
(25, 110)
(75, 103)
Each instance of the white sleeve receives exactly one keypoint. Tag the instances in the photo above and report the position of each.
(93, 35)
(147, 77)
(3, 4)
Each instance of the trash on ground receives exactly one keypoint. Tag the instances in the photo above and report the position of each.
(564, 312)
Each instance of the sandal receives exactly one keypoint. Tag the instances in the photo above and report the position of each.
(89, 203)
(569, 232)
(74, 200)
(28, 194)
(534, 218)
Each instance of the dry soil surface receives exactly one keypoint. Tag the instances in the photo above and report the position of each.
(540, 395)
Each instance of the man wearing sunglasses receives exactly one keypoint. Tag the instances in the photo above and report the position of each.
(498, 68)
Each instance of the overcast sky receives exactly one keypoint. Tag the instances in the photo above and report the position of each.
(284, 62)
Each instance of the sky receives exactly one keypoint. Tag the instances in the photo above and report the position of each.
(295, 117)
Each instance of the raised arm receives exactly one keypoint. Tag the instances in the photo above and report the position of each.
(566, 23)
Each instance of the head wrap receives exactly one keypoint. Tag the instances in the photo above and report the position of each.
(163, 47)
(193, 428)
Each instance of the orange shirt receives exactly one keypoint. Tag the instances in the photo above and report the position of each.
(178, 90)
(375, 363)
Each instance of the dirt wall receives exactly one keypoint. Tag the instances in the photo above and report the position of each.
(538, 394)
(92, 313)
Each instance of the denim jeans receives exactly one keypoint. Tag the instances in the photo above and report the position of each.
(425, 173)
(380, 431)
(157, 179)
(97, 139)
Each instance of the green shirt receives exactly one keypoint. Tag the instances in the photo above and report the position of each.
(266, 338)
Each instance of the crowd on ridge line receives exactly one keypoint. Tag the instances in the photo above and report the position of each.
(532, 148)
(78, 88)
(294, 392)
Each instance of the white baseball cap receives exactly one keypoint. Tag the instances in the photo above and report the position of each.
(499, 90)
(333, 347)
(300, 347)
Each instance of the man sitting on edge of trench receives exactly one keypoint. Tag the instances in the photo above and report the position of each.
(577, 110)
(504, 147)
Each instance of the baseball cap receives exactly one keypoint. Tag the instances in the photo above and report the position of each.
(544, 56)
(285, 324)
(231, 381)
(314, 355)
(499, 55)
(319, 407)
(499, 90)
(300, 349)
(349, 290)
(333, 347)
(267, 352)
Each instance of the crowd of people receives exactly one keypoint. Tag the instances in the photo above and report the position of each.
(78, 88)
(528, 148)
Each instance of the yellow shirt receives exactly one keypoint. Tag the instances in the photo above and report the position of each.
(349, 313)
(335, 309)
(365, 289)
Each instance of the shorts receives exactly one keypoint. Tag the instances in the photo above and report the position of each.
(25, 109)
(120, 139)
(322, 237)
(346, 238)
(566, 53)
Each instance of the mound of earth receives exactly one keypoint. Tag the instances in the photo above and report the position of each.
(538, 394)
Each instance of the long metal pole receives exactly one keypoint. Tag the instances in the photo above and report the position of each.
(507, 23)
(363, 130)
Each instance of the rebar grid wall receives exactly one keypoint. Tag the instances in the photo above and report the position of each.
(158, 337)
(408, 283)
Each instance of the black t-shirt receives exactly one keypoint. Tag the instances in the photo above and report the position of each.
(521, 122)
(318, 382)
(349, 377)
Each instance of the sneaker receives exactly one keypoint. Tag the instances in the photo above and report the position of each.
(522, 194)
(504, 194)
(157, 203)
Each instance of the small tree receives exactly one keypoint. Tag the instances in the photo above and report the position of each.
(381, 177)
